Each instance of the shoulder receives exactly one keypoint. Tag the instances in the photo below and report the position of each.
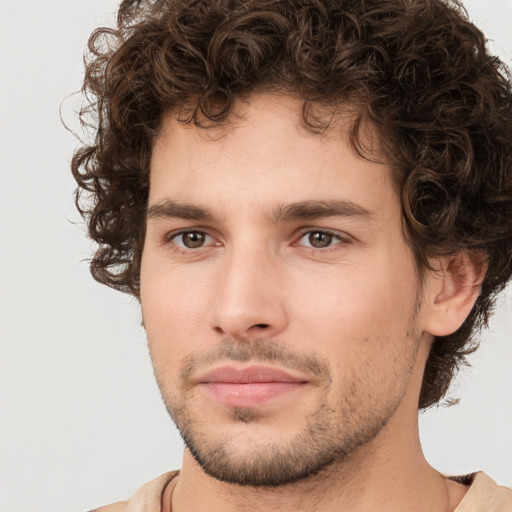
(148, 498)
(115, 507)
(485, 495)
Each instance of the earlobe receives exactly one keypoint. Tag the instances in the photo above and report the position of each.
(455, 283)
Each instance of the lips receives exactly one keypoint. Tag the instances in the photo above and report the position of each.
(249, 387)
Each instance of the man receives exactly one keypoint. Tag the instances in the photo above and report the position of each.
(312, 201)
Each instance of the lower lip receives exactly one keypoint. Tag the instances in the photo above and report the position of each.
(250, 394)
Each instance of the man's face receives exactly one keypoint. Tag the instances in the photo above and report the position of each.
(279, 297)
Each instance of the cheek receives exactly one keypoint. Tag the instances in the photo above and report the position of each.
(170, 294)
(173, 315)
(354, 298)
(357, 317)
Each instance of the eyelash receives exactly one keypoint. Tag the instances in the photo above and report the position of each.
(173, 236)
(341, 239)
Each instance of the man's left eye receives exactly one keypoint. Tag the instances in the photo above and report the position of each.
(319, 239)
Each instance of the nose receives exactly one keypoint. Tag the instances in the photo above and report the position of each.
(250, 298)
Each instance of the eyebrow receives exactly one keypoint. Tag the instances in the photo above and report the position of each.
(169, 208)
(303, 210)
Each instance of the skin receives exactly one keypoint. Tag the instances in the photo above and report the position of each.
(230, 275)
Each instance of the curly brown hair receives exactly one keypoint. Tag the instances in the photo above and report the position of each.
(417, 70)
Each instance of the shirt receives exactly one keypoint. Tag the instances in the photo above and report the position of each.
(484, 495)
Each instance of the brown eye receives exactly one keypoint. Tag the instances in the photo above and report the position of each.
(319, 240)
(190, 239)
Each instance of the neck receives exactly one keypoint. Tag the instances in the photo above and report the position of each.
(388, 474)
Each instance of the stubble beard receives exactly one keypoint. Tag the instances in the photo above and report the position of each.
(333, 431)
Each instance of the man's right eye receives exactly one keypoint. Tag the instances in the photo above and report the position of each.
(192, 239)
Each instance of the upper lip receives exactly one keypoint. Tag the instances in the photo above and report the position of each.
(247, 375)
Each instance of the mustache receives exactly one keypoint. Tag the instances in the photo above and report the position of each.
(257, 350)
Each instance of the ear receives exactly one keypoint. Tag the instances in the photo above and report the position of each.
(453, 290)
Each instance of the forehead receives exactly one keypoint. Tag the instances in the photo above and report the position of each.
(265, 155)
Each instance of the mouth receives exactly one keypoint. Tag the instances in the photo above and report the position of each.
(250, 386)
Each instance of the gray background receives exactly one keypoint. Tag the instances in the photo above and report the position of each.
(81, 423)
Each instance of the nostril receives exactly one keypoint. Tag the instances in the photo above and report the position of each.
(262, 326)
